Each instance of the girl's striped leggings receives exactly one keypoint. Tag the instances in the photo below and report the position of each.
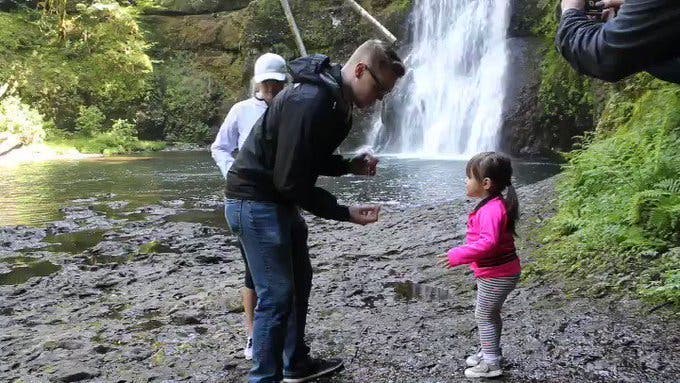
(491, 293)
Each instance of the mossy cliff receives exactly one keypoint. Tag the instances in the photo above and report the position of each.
(617, 227)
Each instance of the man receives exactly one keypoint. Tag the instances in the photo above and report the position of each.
(276, 172)
(643, 35)
(270, 74)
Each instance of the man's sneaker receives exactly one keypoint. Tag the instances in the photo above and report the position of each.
(248, 350)
(313, 369)
(484, 370)
(474, 359)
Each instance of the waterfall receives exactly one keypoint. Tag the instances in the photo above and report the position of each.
(450, 101)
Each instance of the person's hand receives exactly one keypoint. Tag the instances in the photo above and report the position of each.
(615, 4)
(363, 214)
(443, 261)
(364, 164)
(573, 4)
(610, 8)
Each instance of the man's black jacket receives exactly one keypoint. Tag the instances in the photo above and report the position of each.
(644, 36)
(294, 141)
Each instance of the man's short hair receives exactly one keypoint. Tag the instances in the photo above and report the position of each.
(378, 55)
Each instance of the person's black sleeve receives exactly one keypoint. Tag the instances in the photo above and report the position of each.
(645, 33)
(667, 71)
(334, 166)
(295, 156)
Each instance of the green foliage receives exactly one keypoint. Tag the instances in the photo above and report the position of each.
(20, 120)
(620, 198)
(95, 57)
(665, 288)
(90, 120)
(182, 104)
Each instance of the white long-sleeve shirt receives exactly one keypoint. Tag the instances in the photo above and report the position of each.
(234, 131)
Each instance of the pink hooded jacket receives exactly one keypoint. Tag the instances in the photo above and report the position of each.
(488, 242)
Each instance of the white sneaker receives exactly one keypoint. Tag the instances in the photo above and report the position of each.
(474, 359)
(477, 357)
(248, 350)
(484, 370)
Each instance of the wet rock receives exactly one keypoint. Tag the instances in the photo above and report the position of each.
(231, 301)
(78, 212)
(20, 237)
(75, 373)
(173, 203)
(7, 310)
(106, 283)
(117, 204)
(66, 344)
(111, 251)
(59, 227)
(188, 317)
(210, 260)
(521, 131)
(138, 354)
(102, 349)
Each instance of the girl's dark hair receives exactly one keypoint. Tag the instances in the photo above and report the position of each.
(498, 168)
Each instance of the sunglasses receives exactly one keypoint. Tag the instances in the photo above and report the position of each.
(382, 89)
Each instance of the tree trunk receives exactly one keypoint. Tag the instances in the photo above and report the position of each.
(293, 27)
(388, 35)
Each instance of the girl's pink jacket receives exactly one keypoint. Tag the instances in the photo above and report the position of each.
(487, 237)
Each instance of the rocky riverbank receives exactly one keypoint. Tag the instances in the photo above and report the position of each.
(151, 294)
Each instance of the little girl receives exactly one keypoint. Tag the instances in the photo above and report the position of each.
(490, 251)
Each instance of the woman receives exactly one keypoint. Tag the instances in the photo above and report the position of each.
(270, 78)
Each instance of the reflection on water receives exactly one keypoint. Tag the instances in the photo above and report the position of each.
(24, 268)
(76, 242)
(214, 218)
(32, 194)
(411, 181)
(409, 290)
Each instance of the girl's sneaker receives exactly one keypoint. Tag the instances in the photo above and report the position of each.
(484, 370)
(248, 350)
(474, 359)
(477, 357)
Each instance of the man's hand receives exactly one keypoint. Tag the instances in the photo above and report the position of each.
(616, 4)
(363, 214)
(610, 8)
(443, 261)
(573, 4)
(364, 164)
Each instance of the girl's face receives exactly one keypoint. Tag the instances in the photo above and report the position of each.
(477, 189)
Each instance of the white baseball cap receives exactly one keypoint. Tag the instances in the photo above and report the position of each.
(270, 66)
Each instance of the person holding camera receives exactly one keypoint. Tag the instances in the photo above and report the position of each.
(613, 39)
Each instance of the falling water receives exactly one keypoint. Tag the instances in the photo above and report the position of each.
(450, 102)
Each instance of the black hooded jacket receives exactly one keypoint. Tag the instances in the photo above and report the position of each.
(644, 36)
(292, 144)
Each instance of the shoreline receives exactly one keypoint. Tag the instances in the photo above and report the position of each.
(43, 152)
(36, 153)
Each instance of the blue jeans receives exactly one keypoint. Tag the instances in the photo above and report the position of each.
(274, 238)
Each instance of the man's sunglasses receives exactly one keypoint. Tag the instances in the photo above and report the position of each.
(382, 89)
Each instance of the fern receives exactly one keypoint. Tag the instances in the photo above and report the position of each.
(643, 202)
(670, 185)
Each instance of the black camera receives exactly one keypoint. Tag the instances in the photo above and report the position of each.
(593, 9)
